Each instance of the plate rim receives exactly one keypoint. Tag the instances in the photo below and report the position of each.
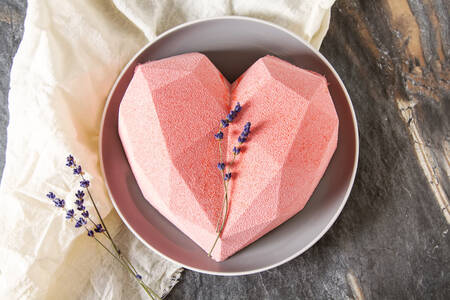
(354, 120)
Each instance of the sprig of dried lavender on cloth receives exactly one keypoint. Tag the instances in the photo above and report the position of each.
(225, 170)
(95, 230)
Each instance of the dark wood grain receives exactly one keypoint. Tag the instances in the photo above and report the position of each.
(392, 240)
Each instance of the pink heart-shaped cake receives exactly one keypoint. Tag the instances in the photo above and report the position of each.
(167, 121)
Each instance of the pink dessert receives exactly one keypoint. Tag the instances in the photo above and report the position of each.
(167, 121)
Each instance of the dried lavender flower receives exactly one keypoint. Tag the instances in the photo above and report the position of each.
(219, 135)
(99, 228)
(70, 161)
(227, 176)
(59, 202)
(77, 170)
(79, 202)
(80, 222)
(84, 183)
(246, 130)
(241, 139)
(237, 108)
(79, 194)
(70, 213)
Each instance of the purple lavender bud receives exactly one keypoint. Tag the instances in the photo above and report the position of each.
(224, 123)
(138, 276)
(236, 150)
(90, 233)
(70, 161)
(81, 208)
(227, 177)
(51, 195)
(237, 108)
(247, 128)
(230, 116)
(80, 222)
(79, 202)
(69, 214)
(221, 166)
(84, 183)
(245, 132)
(77, 170)
(85, 214)
(219, 135)
(79, 194)
(99, 228)
(59, 202)
(243, 137)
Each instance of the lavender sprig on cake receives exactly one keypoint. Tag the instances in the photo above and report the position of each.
(226, 171)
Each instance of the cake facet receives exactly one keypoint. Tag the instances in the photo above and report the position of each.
(167, 120)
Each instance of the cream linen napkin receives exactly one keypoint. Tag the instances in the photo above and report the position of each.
(71, 53)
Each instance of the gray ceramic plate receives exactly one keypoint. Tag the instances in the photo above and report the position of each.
(232, 44)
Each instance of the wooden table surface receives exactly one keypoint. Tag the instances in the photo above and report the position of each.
(391, 240)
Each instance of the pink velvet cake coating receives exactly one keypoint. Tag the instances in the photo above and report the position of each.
(167, 120)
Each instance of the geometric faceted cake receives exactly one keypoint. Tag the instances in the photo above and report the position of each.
(167, 121)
